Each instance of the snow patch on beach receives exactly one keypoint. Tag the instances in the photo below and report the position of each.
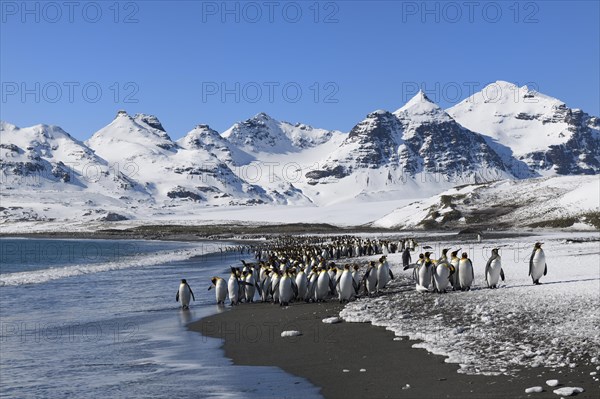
(332, 320)
(501, 331)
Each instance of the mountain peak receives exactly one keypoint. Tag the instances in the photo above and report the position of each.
(421, 109)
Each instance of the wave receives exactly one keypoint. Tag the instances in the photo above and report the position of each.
(55, 273)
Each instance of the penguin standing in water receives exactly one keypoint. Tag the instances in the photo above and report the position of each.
(537, 263)
(220, 289)
(466, 275)
(493, 270)
(185, 293)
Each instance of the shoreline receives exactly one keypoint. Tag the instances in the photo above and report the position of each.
(251, 335)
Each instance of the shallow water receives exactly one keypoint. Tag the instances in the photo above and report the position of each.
(98, 318)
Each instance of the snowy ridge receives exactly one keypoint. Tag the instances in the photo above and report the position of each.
(565, 201)
(540, 130)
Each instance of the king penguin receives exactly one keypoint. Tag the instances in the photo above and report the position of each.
(493, 270)
(185, 293)
(537, 263)
(220, 289)
(466, 274)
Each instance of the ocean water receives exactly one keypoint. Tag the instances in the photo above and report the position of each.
(98, 318)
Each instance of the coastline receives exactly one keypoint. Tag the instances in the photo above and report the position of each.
(251, 335)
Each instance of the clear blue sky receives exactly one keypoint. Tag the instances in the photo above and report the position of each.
(186, 62)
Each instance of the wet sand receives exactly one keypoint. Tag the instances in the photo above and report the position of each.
(252, 336)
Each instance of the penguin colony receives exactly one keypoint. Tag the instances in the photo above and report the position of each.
(293, 269)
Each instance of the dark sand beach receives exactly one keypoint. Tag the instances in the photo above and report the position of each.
(252, 336)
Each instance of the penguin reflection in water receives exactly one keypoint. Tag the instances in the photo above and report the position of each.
(185, 294)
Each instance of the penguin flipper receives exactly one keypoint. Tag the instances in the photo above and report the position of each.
(258, 289)
(177, 297)
(502, 274)
(209, 288)
(294, 288)
(391, 274)
(545, 269)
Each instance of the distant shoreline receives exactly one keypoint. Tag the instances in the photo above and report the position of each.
(252, 232)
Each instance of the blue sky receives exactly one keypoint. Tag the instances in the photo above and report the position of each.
(326, 64)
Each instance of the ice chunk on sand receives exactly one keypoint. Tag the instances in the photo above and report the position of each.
(332, 320)
(534, 389)
(568, 391)
(552, 383)
(291, 333)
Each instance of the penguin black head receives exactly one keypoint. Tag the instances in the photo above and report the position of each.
(495, 251)
(464, 255)
(421, 256)
(427, 254)
(445, 251)
(183, 281)
(538, 245)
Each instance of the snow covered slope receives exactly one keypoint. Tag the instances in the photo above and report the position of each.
(174, 175)
(262, 133)
(416, 151)
(43, 166)
(562, 201)
(541, 131)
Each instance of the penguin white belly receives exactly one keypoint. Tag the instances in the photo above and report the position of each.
(383, 276)
(493, 273)
(454, 278)
(345, 286)
(465, 274)
(539, 265)
(424, 276)
(356, 277)
(221, 291)
(285, 290)
(184, 295)
(322, 286)
(302, 284)
(441, 277)
(233, 288)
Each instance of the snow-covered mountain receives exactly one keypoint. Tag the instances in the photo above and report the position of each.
(170, 172)
(417, 149)
(132, 168)
(544, 135)
(262, 133)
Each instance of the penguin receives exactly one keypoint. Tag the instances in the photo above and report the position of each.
(454, 262)
(324, 286)
(274, 282)
(184, 292)
(233, 286)
(442, 273)
(312, 285)
(251, 287)
(287, 289)
(406, 258)
(370, 278)
(265, 285)
(425, 273)
(356, 274)
(346, 285)
(220, 289)
(384, 274)
(302, 284)
(465, 272)
(537, 263)
(493, 270)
